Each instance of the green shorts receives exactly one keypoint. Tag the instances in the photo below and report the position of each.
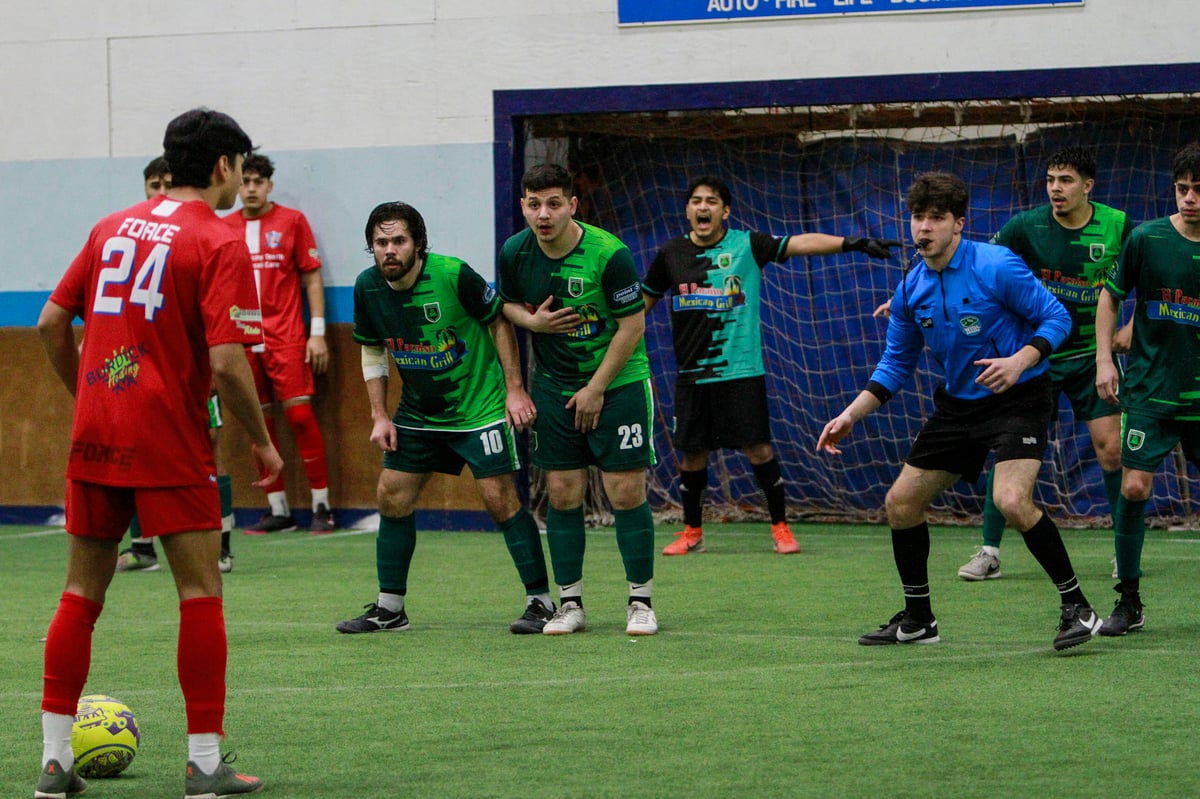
(489, 451)
(624, 440)
(1147, 440)
(1077, 379)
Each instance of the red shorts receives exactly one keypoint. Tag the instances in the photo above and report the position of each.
(100, 511)
(281, 374)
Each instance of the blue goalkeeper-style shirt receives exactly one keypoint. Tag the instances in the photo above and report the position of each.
(986, 303)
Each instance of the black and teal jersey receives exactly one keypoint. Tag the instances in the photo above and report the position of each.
(1072, 264)
(1162, 371)
(715, 304)
(598, 280)
(437, 335)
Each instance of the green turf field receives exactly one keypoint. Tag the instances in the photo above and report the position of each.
(755, 686)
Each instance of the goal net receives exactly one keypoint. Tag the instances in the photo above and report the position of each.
(844, 170)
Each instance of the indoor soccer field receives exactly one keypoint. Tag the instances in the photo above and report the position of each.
(754, 687)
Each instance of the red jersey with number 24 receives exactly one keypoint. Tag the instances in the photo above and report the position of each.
(156, 285)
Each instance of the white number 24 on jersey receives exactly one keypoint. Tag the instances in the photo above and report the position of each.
(147, 283)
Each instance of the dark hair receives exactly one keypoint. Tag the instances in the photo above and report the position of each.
(937, 191)
(156, 169)
(259, 164)
(399, 212)
(1078, 158)
(714, 183)
(547, 176)
(1186, 162)
(195, 141)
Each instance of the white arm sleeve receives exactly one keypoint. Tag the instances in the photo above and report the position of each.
(374, 362)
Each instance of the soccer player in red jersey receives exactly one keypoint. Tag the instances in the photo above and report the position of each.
(168, 305)
(285, 258)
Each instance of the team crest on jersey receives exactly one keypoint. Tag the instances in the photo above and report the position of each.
(1096, 250)
(725, 260)
(1134, 440)
(273, 238)
(970, 324)
(575, 286)
(433, 311)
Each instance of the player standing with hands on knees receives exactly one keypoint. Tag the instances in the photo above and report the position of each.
(715, 277)
(1159, 392)
(576, 288)
(167, 299)
(462, 398)
(991, 325)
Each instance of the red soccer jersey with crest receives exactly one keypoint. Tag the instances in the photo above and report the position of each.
(281, 246)
(156, 285)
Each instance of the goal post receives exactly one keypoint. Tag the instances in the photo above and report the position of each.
(837, 157)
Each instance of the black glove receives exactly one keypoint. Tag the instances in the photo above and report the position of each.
(876, 248)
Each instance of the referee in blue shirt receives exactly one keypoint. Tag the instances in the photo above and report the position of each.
(990, 326)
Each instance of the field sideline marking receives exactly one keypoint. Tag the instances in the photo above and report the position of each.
(34, 534)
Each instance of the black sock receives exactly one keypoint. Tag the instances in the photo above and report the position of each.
(770, 480)
(143, 547)
(691, 494)
(1046, 545)
(910, 548)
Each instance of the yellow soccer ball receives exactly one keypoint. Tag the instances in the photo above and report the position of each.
(105, 737)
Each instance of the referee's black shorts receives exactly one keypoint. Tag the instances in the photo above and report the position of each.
(957, 438)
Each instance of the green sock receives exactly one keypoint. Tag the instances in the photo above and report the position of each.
(394, 547)
(524, 544)
(567, 539)
(1129, 533)
(1112, 489)
(993, 519)
(635, 540)
(135, 528)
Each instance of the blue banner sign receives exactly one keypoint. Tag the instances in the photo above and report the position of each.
(658, 12)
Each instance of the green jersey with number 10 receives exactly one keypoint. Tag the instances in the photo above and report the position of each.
(437, 335)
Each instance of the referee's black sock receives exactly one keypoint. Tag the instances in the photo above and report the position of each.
(1046, 545)
(910, 548)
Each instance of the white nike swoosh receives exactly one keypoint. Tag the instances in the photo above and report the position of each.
(903, 636)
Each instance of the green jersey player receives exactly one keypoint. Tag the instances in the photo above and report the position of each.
(576, 288)
(1160, 391)
(441, 325)
(1070, 244)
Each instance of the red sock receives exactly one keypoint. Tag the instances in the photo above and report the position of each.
(309, 442)
(278, 484)
(68, 653)
(203, 652)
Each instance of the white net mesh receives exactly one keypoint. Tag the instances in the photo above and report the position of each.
(844, 170)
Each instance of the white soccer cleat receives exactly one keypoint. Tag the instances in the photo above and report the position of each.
(640, 619)
(568, 619)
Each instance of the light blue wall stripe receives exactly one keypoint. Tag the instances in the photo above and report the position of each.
(48, 207)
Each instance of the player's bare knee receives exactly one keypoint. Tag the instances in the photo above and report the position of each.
(1136, 485)
(903, 509)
